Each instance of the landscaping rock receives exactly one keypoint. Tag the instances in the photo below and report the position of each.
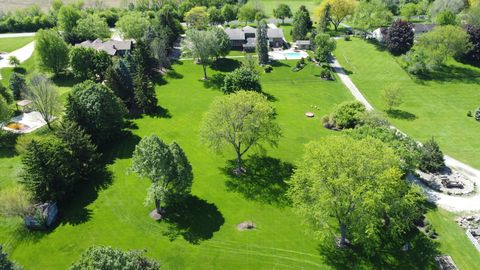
(155, 215)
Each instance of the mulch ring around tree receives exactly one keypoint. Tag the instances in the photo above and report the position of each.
(246, 226)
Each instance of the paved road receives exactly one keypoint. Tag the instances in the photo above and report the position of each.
(11, 35)
(451, 203)
(22, 54)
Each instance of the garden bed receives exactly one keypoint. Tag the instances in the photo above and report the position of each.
(447, 181)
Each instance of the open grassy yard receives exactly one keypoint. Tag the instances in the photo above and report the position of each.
(205, 236)
(435, 106)
(11, 44)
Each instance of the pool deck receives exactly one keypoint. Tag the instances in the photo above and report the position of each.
(287, 55)
(32, 121)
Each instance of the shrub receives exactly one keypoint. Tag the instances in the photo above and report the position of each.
(345, 115)
(431, 159)
(242, 78)
(268, 68)
(325, 73)
(299, 65)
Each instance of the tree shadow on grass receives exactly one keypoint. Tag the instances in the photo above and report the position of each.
(451, 73)
(64, 80)
(172, 74)
(225, 64)
(22, 234)
(264, 180)
(122, 148)
(215, 81)
(74, 210)
(420, 255)
(192, 218)
(276, 63)
(400, 114)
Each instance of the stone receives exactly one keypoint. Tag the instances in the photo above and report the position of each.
(155, 215)
(246, 225)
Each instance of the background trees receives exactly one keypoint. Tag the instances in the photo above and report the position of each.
(96, 109)
(202, 45)
(301, 24)
(52, 51)
(197, 17)
(67, 21)
(399, 38)
(91, 27)
(338, 11)
(262, 42)
(372, 14)
(44, 97)
(282, 11)
(357, 190)
(87, 63)
(166, 166)
(133, 25)
(224, 43)
(242, 120)
(100, 257)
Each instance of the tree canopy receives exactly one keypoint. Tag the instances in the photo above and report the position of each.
(282, 12)
(338, 11)
(301, 24)
(202, 45)
(197, 17)
(52, 51)
(357, 183)
(243, 120)
(45, 98)
(242, 78)
(372, 14)
(133, 25)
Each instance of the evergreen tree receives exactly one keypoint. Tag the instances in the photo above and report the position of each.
(262, 42)
(301, 24)
(144, 93)
(18, 85)
(119, 79)
(432, 157)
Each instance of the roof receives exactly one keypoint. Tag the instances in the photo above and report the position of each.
(275, 33)
(235, 34)
(251, 42)
(249, 30)
(421, 27)
(110, 46)
(302, 42)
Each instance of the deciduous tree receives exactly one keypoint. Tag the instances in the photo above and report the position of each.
(338, 10)
(224, 44)
(282, 12)
(13, 61)
(372, 14)
(242, 78)
(91, 27)
(52, 51)
(399, 38)
(133, 25)
(44, 97)
(392, 96)
(202, 45)
(358, 183)
(242, 120)
(68, 17)
(324, 46)
(197, 17)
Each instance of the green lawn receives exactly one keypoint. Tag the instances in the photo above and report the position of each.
(117, 216)
(269, 5)
(11, 44)
(433, 107)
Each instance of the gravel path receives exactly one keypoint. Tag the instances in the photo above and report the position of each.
(451, 203)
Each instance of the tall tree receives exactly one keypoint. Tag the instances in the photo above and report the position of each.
(215, 16)
(52, 51)
(4, 93)
(18, 85)
(282, 12)
(372, 14)
(96, 109)
(67, 21)
(44, 97)
(119, 79)
(400, 36)
(144, 93)
(359, 185)
(262, 42)
(224, 44)
(246, 13)
(100, 257)
(91, 27)
(339, 10)
(82, 62)
(133, 25)
(169, 19)
(166, 166)
(301, 24)
(242, 120)
(197, 17)
(324, 46)
(202, 45)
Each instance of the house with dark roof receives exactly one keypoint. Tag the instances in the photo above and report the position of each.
(245, 38)
(421, 28)
(111, 47)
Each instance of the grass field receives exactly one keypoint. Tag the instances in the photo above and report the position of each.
(433, 107)
(117, 217)
(11, 44)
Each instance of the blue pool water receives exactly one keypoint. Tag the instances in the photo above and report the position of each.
(293, 55)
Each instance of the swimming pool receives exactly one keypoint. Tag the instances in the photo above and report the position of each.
(288, 55)
(293, 55)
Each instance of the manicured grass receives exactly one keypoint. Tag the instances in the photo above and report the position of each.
(269, 5)
(436, 106)
(452, 239)
(207, 238)
(11, 44)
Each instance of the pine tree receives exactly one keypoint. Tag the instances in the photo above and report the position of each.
(262, 42)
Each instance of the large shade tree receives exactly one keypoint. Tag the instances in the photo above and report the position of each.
(354, 188)
(167, 167)
(282, 12)
(202, 45)
(338, 11)
(52, 51)
(242, 120)
(133, 25)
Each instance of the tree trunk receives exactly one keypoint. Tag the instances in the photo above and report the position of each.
(343, 236)
(204, 71)
(157, 205)
(239, 170)
(49, 125)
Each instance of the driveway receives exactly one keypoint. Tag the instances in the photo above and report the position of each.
(22, 54)
(451, 203)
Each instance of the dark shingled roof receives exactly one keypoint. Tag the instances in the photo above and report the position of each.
(110, 46)
(422, 28)
(235, 34)
(274, 33)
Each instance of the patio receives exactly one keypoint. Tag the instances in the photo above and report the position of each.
(25, 123)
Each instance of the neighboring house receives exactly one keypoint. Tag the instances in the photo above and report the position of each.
(237, 37)
(379, 34)
(422, 28)
(245, 38)
(112, 47)
(302, 44)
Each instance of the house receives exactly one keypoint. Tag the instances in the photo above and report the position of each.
(245, 38)
(422, 28)
(379, 34)
(111, 47)
(237, 37)
(302, 44)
